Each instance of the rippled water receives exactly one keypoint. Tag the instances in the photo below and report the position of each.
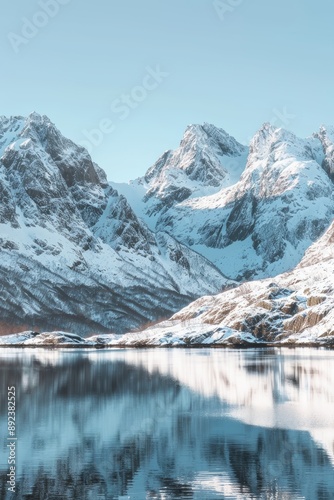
(170, 424)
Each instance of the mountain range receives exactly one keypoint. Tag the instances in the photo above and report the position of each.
(73, 254)
(252, 211)
(245, 231)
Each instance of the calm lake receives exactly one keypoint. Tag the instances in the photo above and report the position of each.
(169, 424)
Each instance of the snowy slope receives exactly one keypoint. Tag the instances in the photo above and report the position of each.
(206, 160)
(261, 212)
(77, 254)
(294, 308)
(73, 255)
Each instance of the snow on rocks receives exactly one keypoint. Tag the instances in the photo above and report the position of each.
(77, 255)
(268, 203)
(73, 254)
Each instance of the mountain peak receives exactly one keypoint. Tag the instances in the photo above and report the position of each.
(326, 138)
(269, 139)
(261, 137)
(34, 116)
(207, 159)
(208, 135)
(97, 265)
(326, 132)
(35, 136)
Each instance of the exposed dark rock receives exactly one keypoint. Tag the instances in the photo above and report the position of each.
(77, 257)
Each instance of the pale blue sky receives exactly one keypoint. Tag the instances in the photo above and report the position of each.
(258, 61)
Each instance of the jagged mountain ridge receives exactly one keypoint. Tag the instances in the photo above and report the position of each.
(293, 308)
(277, 201)
(75, 256)
(73, 253)
(207, 158)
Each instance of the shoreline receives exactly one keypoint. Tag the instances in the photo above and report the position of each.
(255, 345)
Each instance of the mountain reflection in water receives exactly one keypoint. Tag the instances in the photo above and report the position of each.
(170, 424)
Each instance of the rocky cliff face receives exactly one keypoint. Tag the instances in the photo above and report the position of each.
(326, 137)
(73, 254)
(76, 254)
(206, 160)
(253, 212)
(294, 308)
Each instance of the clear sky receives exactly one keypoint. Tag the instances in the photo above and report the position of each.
(140, 71)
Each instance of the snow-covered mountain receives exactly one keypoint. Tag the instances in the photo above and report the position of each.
(254, 212)
(77, 254)
(207, 159)
(295, 307)
(73, 254)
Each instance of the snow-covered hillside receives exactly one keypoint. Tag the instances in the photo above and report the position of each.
(76, 254)
(73, 255)
(294, 308)
(207, 159)
(252, 213)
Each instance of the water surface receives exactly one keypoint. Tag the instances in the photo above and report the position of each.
(170, 423)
